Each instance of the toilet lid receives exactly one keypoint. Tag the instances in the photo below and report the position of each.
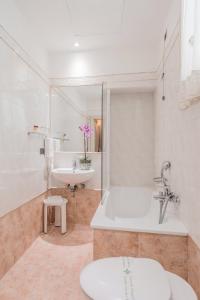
(125, 278)
(181, 290)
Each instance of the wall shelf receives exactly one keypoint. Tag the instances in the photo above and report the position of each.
(61, 139)
(37, 133)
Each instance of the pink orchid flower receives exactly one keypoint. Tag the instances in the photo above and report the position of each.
(87, 130)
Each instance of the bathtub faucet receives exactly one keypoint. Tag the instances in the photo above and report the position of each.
(162, 179)
(166, 195)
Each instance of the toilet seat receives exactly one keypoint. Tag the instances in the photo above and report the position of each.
(127, 278)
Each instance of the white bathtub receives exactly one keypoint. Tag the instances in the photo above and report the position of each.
(134, 209)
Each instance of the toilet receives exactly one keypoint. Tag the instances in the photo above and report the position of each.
(128, 278)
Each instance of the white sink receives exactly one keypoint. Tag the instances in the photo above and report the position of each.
(69, 176)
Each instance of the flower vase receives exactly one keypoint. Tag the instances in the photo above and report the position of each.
(85, 163)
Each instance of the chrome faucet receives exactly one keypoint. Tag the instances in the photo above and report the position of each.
(162, 179)
(165, 195)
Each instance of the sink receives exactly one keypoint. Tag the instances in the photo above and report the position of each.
(70, 176)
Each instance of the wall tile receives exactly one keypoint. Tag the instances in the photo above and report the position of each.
(132, 139)
(194, 265)
(81, 208)
(109, 243)
(170, 251)
(18, 229)
(24, 102)
(177, 140)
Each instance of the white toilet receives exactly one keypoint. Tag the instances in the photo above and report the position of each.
(128, 278)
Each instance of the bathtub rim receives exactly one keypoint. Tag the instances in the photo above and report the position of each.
(100, 221)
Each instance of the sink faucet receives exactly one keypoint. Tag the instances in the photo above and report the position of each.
(166, 195)
(74, 165)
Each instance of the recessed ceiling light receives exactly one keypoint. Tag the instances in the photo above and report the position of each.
(76, 44)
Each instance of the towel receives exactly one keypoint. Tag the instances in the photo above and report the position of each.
(51, 145)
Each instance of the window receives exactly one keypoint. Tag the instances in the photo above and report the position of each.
(190, 38)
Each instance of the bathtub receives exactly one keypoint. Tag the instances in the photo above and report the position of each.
(134, 209)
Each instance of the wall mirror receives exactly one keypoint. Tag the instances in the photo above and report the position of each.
(72, 108)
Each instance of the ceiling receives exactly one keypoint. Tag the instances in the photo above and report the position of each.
(95, 24)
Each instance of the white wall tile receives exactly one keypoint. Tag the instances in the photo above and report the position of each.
(177, 140)
(24, 101)
(132, 139)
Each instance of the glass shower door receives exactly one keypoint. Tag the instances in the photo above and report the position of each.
(105, 159)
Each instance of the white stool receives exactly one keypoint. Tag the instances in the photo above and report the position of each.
(57, 201)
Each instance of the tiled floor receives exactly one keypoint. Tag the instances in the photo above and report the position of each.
(50, 268)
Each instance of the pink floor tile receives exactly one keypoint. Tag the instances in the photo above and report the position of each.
(50, 268)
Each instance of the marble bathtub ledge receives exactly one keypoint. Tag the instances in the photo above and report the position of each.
(172, 227)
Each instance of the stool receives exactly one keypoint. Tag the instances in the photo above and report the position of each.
(57, 201)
